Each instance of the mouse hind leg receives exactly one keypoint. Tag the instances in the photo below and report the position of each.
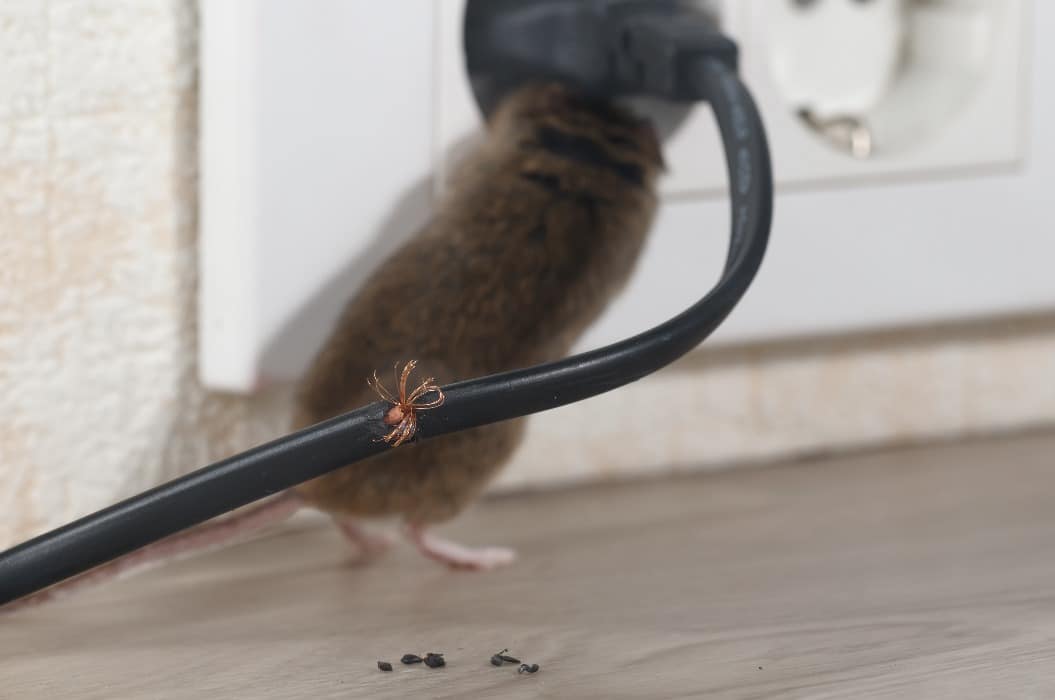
(455, 555)
(368, 544)
(446, 474)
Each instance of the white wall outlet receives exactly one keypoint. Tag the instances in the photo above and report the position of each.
(911, 86)
(323, 125)
(877, 88)
(837, 57)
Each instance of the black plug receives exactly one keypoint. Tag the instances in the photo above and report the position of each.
(604, 48)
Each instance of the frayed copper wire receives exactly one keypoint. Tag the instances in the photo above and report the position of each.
(403, 414)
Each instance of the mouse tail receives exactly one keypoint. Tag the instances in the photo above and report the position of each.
(198, 539)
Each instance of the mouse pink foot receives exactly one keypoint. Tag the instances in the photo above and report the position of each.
(369, 544)
(455, 555)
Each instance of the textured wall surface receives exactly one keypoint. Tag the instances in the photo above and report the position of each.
(98, 395)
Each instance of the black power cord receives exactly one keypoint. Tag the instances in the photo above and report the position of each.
(643, 47)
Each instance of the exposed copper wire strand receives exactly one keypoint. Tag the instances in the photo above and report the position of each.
(403, 414)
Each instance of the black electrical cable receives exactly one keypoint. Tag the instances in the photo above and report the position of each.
(288, 461)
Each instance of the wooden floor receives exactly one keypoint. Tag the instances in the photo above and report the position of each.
(925, 573)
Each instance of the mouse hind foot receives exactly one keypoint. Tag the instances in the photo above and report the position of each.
(454, 555)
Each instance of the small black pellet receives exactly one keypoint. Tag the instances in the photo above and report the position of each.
(384, 665)
(434, 660)
(501, 657)
(411, 659)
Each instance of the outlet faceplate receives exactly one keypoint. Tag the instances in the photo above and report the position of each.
(951, 69)
(323, 127)
(950, 98)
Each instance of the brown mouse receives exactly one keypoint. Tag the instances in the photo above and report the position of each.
(541, 228)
